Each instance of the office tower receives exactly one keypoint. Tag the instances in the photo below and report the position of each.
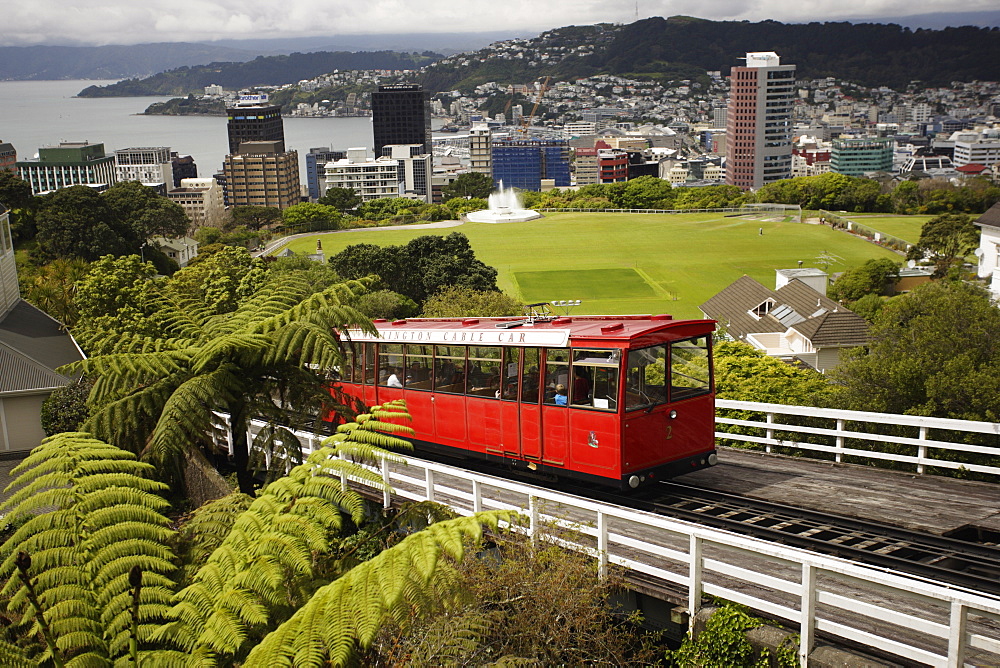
(524, 163)
(262, 174)
(759, 126)
(252, 119)
(316, 160)
(480, 140)
(8, 156)
(68, 164)
(202, 201)
(184, 167)
(413, 168)
(150, 166)
(401, 114)
(857, 157)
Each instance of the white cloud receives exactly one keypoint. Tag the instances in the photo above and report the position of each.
(129, 22)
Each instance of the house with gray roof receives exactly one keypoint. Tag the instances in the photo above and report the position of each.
(32, 345)
(989, 248)
(794, 322)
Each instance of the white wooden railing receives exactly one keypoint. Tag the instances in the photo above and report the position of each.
(862, 427)
(914, 619)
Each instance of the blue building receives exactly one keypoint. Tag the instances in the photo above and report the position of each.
(316, 160)
(523, 163)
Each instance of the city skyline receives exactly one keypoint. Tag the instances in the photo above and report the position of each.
(101, 22)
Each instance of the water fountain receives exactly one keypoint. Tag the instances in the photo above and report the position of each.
(504, 207)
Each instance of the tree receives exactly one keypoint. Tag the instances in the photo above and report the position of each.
(934, 351)
(387, 304)
(341, 199)
(147, 213)
(222, 280)
(422, 267)
(78, 222)
(15, 195)
(52, 287)
(386, 207)
(744, 373)
(645, 192)
(253, 217)
(455, 301)
(311, 217)
(468, 185)
(946, 240)
(874, 277)
(113, 293)
(267, 359)
(101, 587)
(459, 205)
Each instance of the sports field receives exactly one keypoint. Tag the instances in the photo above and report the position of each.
(906, 228)
(633, 263)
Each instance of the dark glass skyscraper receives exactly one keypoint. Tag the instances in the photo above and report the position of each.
(401, 114)
(254, 122)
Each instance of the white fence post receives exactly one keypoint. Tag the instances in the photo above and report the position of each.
(770, 433)
(602, 545)
(429, 484)
(386, 496)
(921, 450)
(477, 497)
(694, 579)
(807, 619)
(533, 519)
(840, 441)
(956, 635)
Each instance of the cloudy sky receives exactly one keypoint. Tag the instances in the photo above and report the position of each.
(132, 21)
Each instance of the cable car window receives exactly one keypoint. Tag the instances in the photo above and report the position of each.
(483, 377)
(645, 378)
(531, 384)
(345, 372)
(510, 374)
(557, 377)
(595, 378)
(690, 374)
(390, 365)
(449, 369)
(369, 363)
(419, 367)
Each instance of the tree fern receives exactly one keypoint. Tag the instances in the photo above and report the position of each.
(265, 567)
(344, 616)
(159, 393)
(90, 515)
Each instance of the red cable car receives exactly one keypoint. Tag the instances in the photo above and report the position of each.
(614, 400)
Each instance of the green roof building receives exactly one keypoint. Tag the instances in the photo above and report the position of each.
(68, 164)
(857, 157)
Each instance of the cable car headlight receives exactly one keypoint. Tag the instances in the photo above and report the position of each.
(672, 414)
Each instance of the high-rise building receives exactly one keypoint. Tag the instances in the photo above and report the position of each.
(68, 164)
(262, 174)
(413, 168)
(759, 121)
(857, 157)
(184, 167)
(316, 160)
(252, 119)
(523, 163)
(8, 156)
(201, 200)
(480, 141)
(401, 114)
(151, 167)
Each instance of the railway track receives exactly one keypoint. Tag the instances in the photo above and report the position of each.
(965, 564)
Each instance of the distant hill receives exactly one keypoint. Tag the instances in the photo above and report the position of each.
(263, 70)
(108, 62)
(683, 48)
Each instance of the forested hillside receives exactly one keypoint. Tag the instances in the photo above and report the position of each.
(263, 70)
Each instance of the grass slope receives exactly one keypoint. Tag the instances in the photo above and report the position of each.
(906, 228)
(681, 259)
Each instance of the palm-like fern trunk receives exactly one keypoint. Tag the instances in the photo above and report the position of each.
(239, 413)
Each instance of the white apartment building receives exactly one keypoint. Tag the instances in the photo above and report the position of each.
(369, 177)
(150, 166)
(980, 151)
(202, 201)
(480, 149)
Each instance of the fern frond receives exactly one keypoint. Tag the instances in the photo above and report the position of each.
(346, 614)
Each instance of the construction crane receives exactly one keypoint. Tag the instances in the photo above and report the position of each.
(526, 120)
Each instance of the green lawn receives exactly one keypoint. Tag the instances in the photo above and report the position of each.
(633, 263)
(906, 228)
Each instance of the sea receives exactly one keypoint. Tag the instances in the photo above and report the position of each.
(44, 113)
